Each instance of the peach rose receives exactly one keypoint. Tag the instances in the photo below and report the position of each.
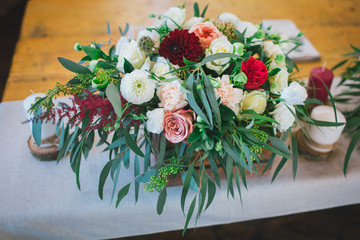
(171, 96)
(229, 96)
(207, 32)
(178, 125)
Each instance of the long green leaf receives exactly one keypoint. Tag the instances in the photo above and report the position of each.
(73, 66)
(196, 10)
(237, 178)
(161, 201)
(189, 214)
(350, 149)
(217, 56)
(136, 173)
(279, 167)
(294, 147)
(103, 176)
(132, 144)
(122, 193)
(211, 192)
(212, 100)
(186, 185)
(191, 99)
(36, 127)
(113, 95)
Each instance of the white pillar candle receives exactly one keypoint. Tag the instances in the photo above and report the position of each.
(324, 138)
(48, 129)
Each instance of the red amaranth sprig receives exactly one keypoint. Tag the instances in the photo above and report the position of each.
(99, 110)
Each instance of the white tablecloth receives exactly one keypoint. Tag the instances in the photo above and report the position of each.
(40, 200)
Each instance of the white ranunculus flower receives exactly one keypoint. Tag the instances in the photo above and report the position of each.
(219, 45)
(255, 100)
(161, 67)
(295, 94)
(178, 15)
(271, 49)
(132, 53)
(283, 116)
(251, 29)
(279, 81)
(171, 96)
(155, 121)
(229, 17)
(192, 21)
(151, 34)
(136, 87)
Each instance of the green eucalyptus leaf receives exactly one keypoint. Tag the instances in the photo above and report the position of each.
(132, 144)
(279, 167)
(294, 147)
(212, 100)
(103, 176)
(122, 193)
(36, 127)
(350, 149)
(189, 214)
(161, 201)
(128, 67)
(73, 66)
(113, 95)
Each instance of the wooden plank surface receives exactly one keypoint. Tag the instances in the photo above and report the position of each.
(51, 28)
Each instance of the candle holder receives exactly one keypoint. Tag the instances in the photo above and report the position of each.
(323, 140)
(48, 149)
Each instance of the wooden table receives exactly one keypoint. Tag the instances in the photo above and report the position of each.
(51, 28)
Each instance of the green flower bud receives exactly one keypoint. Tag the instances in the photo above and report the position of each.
(218, 146)
(199, 87)
(240, 79)
(280, 58)
(239, 48)
(77, 47)
(209, 144)
(215, 84)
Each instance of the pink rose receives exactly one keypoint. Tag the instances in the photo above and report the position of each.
(178, 125)
(207, 32)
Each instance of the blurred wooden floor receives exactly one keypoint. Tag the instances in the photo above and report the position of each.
(332, 224)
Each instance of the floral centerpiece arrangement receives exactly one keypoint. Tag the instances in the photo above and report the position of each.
(204, 95)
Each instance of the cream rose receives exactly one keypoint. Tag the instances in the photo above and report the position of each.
(219, 45)
(229, 96)
(255, 100)
(178, 15)
(270, 49)
(283, 116)
(161, 67)
(192, 21)
(229, 17)
(295, 94)
(251, 29)
(171, 96)
(155, 121)
(132, 53)
(279, 81)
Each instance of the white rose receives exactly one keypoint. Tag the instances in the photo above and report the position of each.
(120, 44)
(155, 121)
(192, 21)
(251, 29)
(283, 116)
(171, 96)
(255, 100)
(161, 67)
(132, 53)
(295, 94)
(137, 88)
(219, 45)
(279, 81)
(229, 17)
(178, 15)
(153, 35)
(270, 49)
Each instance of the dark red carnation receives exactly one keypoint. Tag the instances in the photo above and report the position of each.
(256, 73)
(179, 44)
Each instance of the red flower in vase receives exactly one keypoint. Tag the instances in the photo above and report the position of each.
(179, 44)
(256, 73)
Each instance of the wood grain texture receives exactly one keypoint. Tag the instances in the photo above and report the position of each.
(51, 28)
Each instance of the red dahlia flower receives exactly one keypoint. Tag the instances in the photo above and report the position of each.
(256, 73)
(179, 44)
